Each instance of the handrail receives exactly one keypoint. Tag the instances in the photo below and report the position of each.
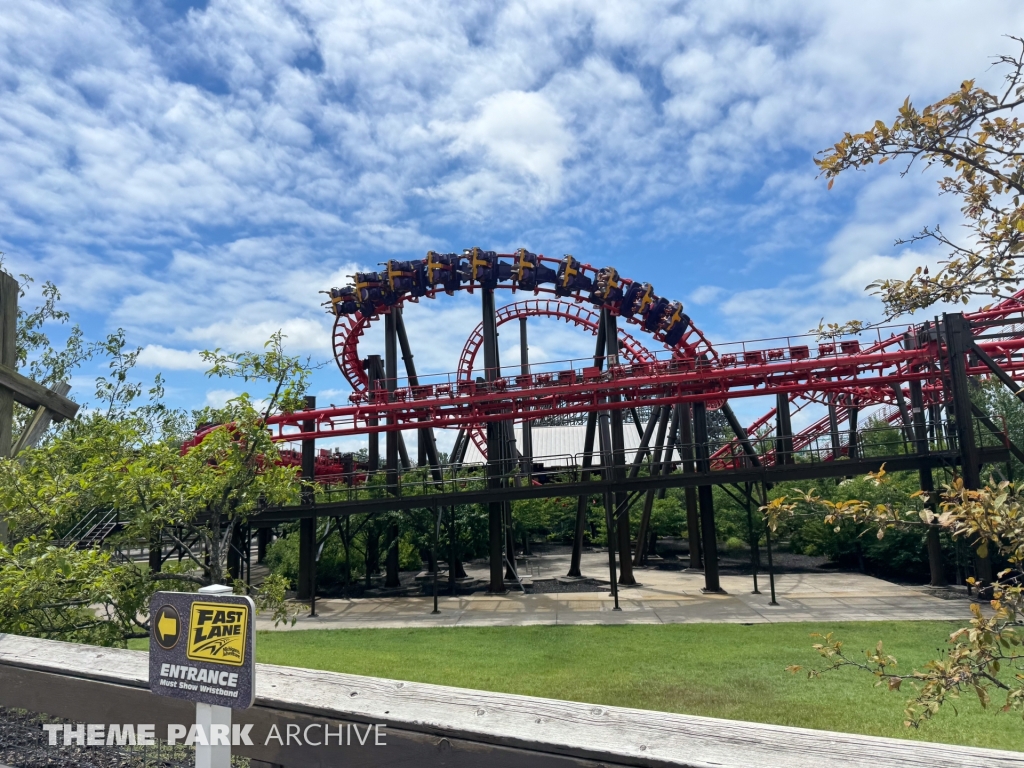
(433, 725)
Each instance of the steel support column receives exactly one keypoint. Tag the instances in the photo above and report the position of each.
(607, 462)
(374, 380)
(706, 500)
(833, 427)
(495, 509)
(682, 424)
(307, 527)
(924, 474)
(583, 502)
(783, 431)
(661, 417)
(524, 363)
(958, 340)
(619, 459)
(852, 411)
(262, 542)
(391, 564)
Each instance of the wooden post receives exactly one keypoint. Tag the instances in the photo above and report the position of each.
(48, 404)
(8, 357)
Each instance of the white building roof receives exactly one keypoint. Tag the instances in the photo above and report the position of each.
(560, 446)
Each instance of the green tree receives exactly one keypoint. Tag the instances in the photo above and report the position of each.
(129, 456)
(977, 139)
(974, 135)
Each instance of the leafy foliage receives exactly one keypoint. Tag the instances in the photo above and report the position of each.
(123, 459)
(974, 135)
(987, 655)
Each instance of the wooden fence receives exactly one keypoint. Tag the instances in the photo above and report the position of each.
(431, 725)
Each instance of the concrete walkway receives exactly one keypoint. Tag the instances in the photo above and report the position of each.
(664, 597)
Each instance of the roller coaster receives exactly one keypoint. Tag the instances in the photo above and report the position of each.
(915, 377)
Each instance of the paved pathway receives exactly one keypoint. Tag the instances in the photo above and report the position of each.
(664, 597)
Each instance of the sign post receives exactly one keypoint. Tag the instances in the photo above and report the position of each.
(203, 649)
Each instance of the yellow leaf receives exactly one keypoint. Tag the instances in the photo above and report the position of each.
(983, 550)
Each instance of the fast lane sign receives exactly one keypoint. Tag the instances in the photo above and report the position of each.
(202, 648)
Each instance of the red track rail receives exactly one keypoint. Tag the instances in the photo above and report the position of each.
(348, 329)
(581, 316)
(464, 404)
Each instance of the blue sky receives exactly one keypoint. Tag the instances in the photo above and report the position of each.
(195, 172)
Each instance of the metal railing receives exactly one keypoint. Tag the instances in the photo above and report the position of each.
(871, 443)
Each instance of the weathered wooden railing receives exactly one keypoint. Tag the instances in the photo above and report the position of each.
(430, 725)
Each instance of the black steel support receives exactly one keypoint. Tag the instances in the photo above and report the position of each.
(706, 500)
(236, 551)
(753, 533)
(741, 435)
(901, 403)
(618, 460)
(995, 431)
(609, 512)
(924, 474)
(852, 412)
(508, 467)
(495, 509)
(307, 527)
(156, 553)
(661, 417)
(682, 424)
(771, 475)
(391, 564)
(784, 431)
(374, 380)
(524, 363)
(958, 342)
(833, 427)
(583, 501)
(262, 542)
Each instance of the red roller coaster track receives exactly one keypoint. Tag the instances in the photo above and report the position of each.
(692, 371)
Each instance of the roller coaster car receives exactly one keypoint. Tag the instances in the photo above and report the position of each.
(630, 298)
(645, 299)
(401, 277)
(607, 289)
(344, 301)
(443, 269)
(675, 323)
(420, 286)
(653, 313)
(371, 291)
(529, 273)
(570, 279)
(485, 268)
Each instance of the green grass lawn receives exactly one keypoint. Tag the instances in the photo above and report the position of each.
(719, 670)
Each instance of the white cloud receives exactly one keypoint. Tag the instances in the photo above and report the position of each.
(216, 398)
(705, 294)
(198, 178)
(166, 359)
